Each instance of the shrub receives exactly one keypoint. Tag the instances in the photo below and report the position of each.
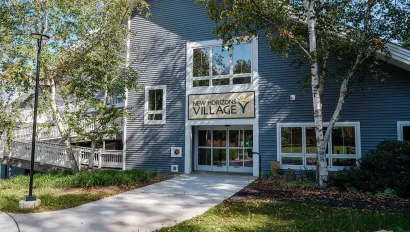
(81, 179)
(387, 167)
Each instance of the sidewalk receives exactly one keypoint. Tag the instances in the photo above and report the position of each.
(144, 209)
(7, 223)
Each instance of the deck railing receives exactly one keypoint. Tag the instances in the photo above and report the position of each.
(25, 133)
(56, 154)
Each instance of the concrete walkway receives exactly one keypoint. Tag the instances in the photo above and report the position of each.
(7, 223)
(144, 209)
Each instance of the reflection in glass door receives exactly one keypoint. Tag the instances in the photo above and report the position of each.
(240, 150)
(225, 149)
(219, 151)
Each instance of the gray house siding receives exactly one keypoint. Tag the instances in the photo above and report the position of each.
(377, 109)
(159, 51)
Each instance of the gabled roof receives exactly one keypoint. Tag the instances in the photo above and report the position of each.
(400, 56)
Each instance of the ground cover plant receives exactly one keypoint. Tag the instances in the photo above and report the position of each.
(64, 190)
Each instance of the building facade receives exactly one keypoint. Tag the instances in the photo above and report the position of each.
(207, 108)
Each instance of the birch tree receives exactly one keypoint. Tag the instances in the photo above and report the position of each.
(310, 33)
(76, 27)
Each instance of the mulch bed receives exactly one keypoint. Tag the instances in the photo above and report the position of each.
(260, 190)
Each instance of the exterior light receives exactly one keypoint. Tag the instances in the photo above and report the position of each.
(40, 38)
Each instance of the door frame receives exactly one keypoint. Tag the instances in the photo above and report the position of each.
(225, 168)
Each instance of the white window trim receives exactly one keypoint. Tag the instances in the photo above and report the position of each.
(190, 52)
(330, 155)
(164, 105)
(400, 125)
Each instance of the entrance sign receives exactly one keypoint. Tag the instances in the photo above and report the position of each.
(221, 105)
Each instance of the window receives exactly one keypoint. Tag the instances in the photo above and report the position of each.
(155, 102)
(214, 65)
(297, 145)
(403, 131)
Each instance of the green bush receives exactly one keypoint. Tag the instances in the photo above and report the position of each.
(81, 179)
(387, 167)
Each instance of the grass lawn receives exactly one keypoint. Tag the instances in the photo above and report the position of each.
(276, 216)
(62, 190)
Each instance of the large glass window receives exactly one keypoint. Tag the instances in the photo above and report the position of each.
(155, 104)
(216, 65)
(201, 62)
(298, 145)
(291, 140)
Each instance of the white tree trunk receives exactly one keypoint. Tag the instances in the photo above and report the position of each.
(63, 132)
(316, 93)
(91, 157)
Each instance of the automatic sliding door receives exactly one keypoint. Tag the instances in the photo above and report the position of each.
(219, 150)
(240, 151)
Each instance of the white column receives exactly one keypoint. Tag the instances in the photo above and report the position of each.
(256, 149)
(188, 148)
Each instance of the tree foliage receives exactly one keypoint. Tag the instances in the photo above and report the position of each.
(82, 65)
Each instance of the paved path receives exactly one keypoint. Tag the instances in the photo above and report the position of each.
(144, 209)
(7, 223)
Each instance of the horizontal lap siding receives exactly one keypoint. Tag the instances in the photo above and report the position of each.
(162, 40)
(377, 110)
(158, 51)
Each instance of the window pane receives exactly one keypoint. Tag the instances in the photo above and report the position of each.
(242, 58)
(234, 138)
(219, 157)
(292, 160)
(204, 138)
(343, 162)
(248, 138)
(158, 99)
(248, 157)
(236, 157)
(311, 147)
(151, 99)
(201, 62)
(291, 139)
(312, 161)
(224, 81)
(343, 140)
(155, 99)
(198, 83)
(406, 133)
(204, 156)
(219, 138)
(154, 116)
(220, 61)
(242, 80)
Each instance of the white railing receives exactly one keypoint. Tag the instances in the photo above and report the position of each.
(53, 132)
(56, 154)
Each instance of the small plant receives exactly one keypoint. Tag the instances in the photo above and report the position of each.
(272, 176)
(308, 174)
(298, 183)
(387, 193)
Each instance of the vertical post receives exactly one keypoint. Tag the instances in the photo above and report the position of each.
(30, 196)
(79, 159)
(99, 159)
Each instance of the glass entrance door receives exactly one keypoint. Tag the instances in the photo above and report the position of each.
(240, 150)
(224, 149)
